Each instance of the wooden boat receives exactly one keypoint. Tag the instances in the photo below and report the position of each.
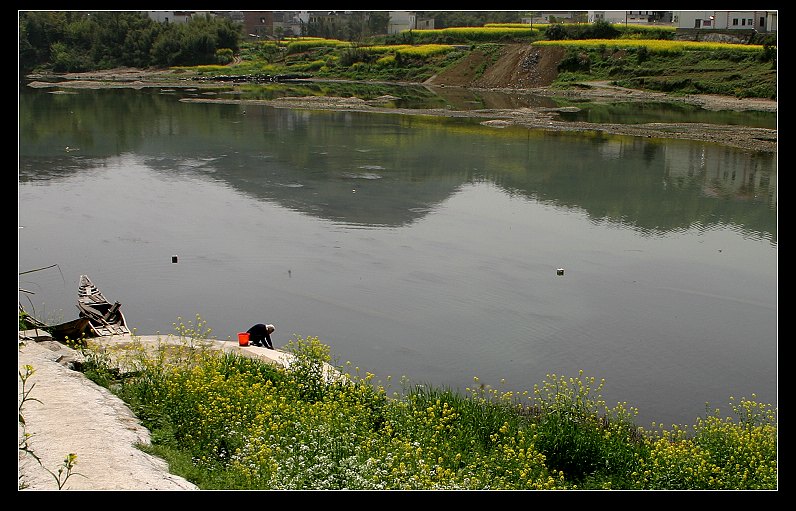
(105, 319)
(74, 330)
(71, 330)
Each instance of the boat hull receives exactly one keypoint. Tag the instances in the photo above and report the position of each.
(74, 330)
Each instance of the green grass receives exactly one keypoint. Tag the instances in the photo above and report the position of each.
(675, 67)
(225, 421)
(741, 73)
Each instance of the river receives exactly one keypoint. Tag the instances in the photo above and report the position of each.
(425, 248)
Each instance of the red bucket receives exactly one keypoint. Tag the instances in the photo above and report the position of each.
(243, 338)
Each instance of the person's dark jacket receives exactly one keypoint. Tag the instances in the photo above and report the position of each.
(260, 336)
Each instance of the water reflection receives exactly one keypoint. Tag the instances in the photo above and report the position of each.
(635, 112)
(357, 168)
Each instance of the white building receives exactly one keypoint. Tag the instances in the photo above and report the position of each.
(761, 21)
(169, 16)
(401, 21)
(633, 17)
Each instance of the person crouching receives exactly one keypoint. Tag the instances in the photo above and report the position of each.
(260, 335)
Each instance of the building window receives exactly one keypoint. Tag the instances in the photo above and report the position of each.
(735, 22)
(749, 22)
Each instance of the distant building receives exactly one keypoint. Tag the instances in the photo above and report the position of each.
(169, 16)
(634, 17)
(328, 21)
(258, 24)
(401, 21)
(290, 23)
(760, 21)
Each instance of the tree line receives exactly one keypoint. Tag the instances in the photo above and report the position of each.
(67, 41)
(76, 41)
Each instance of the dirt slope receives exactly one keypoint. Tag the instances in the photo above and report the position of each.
(519, 66)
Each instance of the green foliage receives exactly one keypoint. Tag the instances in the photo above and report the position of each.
(642, 54)
(634, 31)
(722, 453)
(26, 321)
(446, 19)
(98, 367)
(727, 71)
(88, 40)
(67, 59)
(470, 35)
(224, 56)
(555, 32)
(353, 26)
(575, 61)
(769, 54)
(307, 367)
(78, 41)
(305, 44)
(354, 55)
(596, 30)
(580, 436)
(604, 30)
(225, 421)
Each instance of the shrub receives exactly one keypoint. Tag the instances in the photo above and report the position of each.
(224, 55)
(354, 55)
(555, 32)
(580, 436)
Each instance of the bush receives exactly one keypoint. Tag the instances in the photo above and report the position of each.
(575, 61)
(66, 59)
(642, 54)
(555, 32)
(224, 56)
(352, 56)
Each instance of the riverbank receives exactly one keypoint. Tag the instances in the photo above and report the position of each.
(68, 413)
(748, 138)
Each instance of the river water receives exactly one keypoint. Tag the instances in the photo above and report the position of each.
(417, 247)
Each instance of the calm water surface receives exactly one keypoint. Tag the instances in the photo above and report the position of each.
(413, 246)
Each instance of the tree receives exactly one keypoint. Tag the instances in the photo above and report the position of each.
(446, 19)
(84, 40)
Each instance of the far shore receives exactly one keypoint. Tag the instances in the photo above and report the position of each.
(748, 138)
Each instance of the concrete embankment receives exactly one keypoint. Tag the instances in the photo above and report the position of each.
(65, 413)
